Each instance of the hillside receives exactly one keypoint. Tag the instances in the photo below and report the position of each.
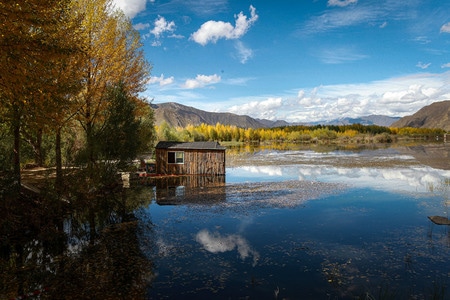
(435, 115)
(178, 115)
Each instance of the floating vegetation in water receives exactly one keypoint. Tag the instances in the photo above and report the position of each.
(286, 194)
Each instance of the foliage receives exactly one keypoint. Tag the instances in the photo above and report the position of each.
(113, 56)
(355, 133)
(410, 131)
(35, 37)
(5, 148)
(167, 133)
(146, 132)
(124, 133)
(61, 60)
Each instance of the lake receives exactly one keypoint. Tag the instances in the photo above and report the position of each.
(284, 223)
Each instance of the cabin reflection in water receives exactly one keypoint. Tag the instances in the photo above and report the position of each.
(192, 189)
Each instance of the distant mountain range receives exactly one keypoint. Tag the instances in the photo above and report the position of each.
(436, 115)
(366, 120)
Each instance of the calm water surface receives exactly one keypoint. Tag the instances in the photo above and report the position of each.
(363, 233)
(282, 224)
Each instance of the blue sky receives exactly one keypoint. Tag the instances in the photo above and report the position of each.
(299, 61)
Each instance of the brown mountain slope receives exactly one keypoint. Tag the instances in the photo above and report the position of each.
(435, 115)
(178, 115)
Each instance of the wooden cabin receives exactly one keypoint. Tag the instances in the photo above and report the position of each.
(191, 158)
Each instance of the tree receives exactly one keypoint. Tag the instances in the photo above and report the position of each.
(166, 133)
(125, 133)
(113, 55)
(33, 35)
(147, 132)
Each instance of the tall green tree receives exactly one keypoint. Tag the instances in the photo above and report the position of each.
(126, 130)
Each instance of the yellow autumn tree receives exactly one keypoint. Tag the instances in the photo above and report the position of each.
(57, 107)
(112, 55)
(33, 35)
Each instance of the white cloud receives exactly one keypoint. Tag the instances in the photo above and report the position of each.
(204, 7)
(156, 43)
(240, 81)
(265, 109)
(216, 243)
(244, 53)
(410, 94)
(446, 28)
(162, 26)
(341, 3)
(201, 81)
(312, 100)
(394, 97)
(141, 26)
(422, 40)
(447, 65)
(333, 19)
(176, 36)
(339, 55)
(384, 24)
(212, 31)
(423, 65)
(161, 80)
(369, 12)
(131, 7)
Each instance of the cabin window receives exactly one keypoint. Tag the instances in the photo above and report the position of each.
(175, 157)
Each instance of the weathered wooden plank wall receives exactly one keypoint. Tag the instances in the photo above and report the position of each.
(196, 162)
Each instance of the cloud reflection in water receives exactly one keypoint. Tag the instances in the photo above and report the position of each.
(400, 179)
(216, 243)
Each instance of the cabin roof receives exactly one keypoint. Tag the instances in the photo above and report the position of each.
(189, 145)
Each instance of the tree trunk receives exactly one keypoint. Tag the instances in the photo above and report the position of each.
(90, 148)
(58, 158)
(34, 139)
(38, 157)
(16, 154)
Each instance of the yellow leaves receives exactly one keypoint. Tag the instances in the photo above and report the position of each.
(298, 134)
(109, 56)
(60, 56)
(348, 133)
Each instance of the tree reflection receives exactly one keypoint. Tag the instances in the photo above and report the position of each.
(113, 267)
(86, 247)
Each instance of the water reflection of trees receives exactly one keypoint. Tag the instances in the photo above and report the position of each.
(86, 246)
(113, 267)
